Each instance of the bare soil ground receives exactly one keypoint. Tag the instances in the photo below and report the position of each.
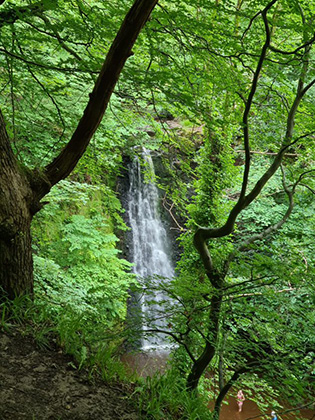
(41, 384)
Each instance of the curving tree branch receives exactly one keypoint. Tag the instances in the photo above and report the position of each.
(9, 16)
(118, 54)
(225, 390)
(203, 234)
(251, 97)
(276, 226)
(293, 52)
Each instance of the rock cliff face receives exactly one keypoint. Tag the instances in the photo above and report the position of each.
(122, 188)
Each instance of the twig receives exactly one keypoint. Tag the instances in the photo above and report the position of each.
(302, 407)
(290, 289)
(257, 152)
(164, 202)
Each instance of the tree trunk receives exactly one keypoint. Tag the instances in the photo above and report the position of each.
(205, 358)
(16, 274)
(224, 391)
(16, 277)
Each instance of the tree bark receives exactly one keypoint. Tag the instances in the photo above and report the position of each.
(224, 391)
(206, 356)
(16, 274)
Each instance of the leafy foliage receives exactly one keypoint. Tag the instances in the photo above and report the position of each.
(162, 397)
(80, 279)
(189, 83)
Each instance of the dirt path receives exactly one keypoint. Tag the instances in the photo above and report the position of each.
(40, 384)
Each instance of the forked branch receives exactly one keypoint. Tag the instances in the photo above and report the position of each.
(203, 234)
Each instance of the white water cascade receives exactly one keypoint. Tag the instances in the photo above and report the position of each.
(150, 246)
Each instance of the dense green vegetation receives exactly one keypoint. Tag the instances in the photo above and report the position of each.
(223, 91)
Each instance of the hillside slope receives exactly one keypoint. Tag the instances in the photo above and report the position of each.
(41, 384)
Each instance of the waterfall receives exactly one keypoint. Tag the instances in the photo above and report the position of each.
(150, 246)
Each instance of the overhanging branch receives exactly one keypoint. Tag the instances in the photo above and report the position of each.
(115, 60)
(203, 234)
(251, 97)
(9, 16)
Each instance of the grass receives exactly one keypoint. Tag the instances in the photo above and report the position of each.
(163, 397)
(160, 397)
(90, 345)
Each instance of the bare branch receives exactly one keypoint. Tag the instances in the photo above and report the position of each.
(290, 289)
(45, 66)
(307, 87)
(276, 226)
(303, 46)
(59, 38)
(305, 174)
(251, 280)
(169, 209)
(251, 97)
(175, 338)
(9, 16)
(257, 152)
(312, 190)
(273, 228)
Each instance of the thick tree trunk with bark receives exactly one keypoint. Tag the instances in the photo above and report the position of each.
(16, 198)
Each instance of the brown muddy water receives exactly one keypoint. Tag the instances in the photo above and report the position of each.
(148, 363)
(252, 412)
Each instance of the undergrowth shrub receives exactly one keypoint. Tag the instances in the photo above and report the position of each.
(162, 397)
(81, 283)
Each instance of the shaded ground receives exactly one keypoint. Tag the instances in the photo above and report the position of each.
(40, 384)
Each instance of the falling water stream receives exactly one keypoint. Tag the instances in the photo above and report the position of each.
(150, 248)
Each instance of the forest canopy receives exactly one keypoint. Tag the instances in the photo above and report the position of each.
(223, 93)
